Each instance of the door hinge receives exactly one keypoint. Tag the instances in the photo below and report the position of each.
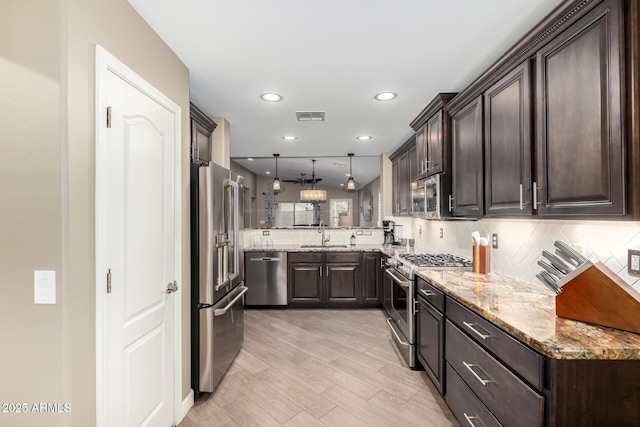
(108, 117)
(109, 281)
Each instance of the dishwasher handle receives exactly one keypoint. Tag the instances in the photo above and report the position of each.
(266, 259)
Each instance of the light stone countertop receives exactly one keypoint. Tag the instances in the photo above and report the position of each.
(329, 248)
(527, 311)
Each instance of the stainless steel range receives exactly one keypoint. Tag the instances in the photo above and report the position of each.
(400, 296)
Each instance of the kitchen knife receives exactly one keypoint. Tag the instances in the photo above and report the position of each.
(570, 252)
(563, 256)
(550, 278)
(557, 262)
(551, 269)
(548, 284)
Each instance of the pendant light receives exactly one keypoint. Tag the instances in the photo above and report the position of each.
(276, 185)
(350, 186)
(313, 194)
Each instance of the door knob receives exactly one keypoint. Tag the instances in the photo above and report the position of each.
(172, 287)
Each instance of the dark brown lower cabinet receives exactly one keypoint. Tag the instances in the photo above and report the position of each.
(333, 279)
(465, 404)
(371, 279)
(493, 379)
(305, 282)
(430, 332)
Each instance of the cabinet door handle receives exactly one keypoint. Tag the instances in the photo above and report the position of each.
(474, 330)
(470, 367)
(521, 204)
(320, 269)
(450, 202)
(469, 419)
(535, 195)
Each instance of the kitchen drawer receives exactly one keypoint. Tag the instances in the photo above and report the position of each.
(305, 257)
(465, 405)
(527, 363)
(511, 401)
(343, 256)
(431, 294)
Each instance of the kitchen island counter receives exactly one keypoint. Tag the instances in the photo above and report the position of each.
(527, 312)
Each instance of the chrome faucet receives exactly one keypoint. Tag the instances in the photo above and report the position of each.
(322, 231)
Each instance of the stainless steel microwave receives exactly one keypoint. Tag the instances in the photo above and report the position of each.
(431, 197)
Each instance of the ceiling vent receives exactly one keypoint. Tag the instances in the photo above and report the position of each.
(310, 116)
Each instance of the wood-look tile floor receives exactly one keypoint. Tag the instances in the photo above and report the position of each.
(320, 368)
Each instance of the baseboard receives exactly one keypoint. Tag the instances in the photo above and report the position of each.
(187, 404)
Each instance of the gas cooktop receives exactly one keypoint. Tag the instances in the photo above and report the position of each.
(436, 261)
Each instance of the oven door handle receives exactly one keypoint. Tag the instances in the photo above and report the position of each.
(393, 329)
(399, 281)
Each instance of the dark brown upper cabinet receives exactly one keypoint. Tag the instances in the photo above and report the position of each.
(507, 144)
(402, 173)
(466, 139)
(433, 137)
(579, 129)
(201, 129)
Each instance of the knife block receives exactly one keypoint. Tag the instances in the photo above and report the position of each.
(592, 293)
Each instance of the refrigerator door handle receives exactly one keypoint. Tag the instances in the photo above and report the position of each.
(231, 225)
(222, 311)
(222, 243)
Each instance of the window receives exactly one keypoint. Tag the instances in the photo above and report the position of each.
(341, 208)
(294, 213)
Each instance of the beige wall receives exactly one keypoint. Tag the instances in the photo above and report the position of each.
(47, 187)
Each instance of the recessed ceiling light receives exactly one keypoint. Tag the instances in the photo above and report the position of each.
(250, 159)
(271, 97)
(268, 173)
(289, 138)
(364, 137)
(385, 96)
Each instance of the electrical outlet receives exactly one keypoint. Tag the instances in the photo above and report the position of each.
(419, 229)
(441, 233)
(358, 232)
(265, 232)
(367, 232)
(494, 240)
(633, 265)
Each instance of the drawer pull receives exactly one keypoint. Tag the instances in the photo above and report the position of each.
(474, 330)
(427, 293)
(470, 367)
(469, 419)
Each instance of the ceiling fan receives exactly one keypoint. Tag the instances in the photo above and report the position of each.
(302, 180)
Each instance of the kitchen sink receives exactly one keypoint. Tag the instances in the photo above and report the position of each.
(323, 246)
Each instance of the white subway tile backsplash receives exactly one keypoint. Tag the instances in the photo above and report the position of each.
(523, 240)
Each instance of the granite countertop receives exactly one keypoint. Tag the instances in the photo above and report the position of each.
(298, 248)
(527, 311)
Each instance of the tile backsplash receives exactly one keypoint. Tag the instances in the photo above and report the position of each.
(521, 242)
(311, 236)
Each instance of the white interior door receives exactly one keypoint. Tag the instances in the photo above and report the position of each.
(136, 215)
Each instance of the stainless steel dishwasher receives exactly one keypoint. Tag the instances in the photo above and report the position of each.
(266, 278)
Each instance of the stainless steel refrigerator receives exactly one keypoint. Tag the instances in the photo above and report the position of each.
(217, 283)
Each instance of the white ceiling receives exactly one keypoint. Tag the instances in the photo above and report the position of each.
(332, 56)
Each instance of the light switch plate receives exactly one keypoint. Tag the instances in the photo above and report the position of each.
(441, 233)
(358, 232)
(494, 240)
(44, 287)
(367, 232)
(265, 232)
